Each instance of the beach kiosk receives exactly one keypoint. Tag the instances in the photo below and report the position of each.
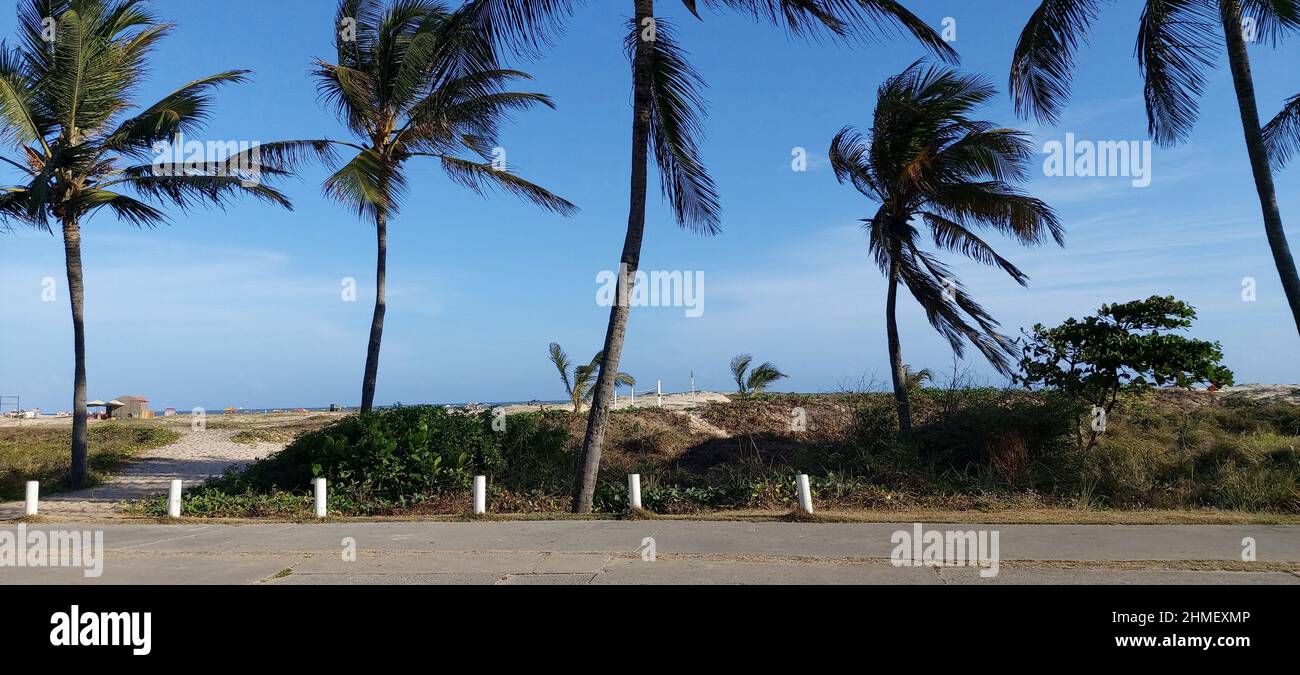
(129, 408)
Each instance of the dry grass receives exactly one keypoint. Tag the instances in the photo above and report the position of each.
(43, 453)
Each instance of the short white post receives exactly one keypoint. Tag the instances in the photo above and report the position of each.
(174, 499)
(659, 392)
(692, 386)
(33, 496)
(320, 497)
(480, 495)
(616, 397)
(805, 494)
(634, 490)
(632, 401)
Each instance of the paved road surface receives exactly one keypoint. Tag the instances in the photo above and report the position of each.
(607, 552)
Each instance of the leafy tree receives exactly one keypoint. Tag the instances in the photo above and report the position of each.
(1126, 347)
(416, 80)
(581, 385)
(1178, 42)
(667, 121)
(928, 162)
(757, 380)
(66, 92)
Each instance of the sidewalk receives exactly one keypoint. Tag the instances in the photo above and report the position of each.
(609, 552)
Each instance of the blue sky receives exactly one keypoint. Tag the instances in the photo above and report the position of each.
(244, 307)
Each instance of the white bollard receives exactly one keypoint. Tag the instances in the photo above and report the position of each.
(659, 392)
(616, 397)
(805, 494)
(174, 500)
(692, 386)
(480, 495)
(632, 401)
(33, 496)
(320, 497)
(634, 490)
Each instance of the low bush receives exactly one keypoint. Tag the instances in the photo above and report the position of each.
(969, 449)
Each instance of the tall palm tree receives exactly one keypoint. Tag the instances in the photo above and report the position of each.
(927, 162)
(66, 97)
(754, 381)
(415, 80)
(580, 387)
(1178, 41)
(667, 120)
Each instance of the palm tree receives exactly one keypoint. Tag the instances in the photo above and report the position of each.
(926, 160)
(416, 80)
(915, 379)
(667, 120)
(1178, 41)
(758, 378)
(65, 95)
(580, 388)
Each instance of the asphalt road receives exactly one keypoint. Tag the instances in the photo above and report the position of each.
(685, 552)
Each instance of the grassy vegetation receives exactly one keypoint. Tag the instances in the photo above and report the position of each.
(42, 453)
(971, 450)
(255, 436)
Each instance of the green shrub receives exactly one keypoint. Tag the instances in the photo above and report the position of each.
(393, 459)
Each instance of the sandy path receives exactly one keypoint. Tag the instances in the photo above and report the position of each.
(196, 456)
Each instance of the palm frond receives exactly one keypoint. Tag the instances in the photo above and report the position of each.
(189, 190)
(1042, 65)
(584, 382)
(739, 365)
(915, 378)
(1273, 18)
(849, 161)
(404, 49)
(998, 205)
(14, 208)
(561, 361)
(523, 27)
(951, 236)
(351, 92)
(131, 210)
(22, 120)
(947, 305)
(1282, 133)
(183, 111)
(762, 376)
(1177, 42)
(478, 177)
(676, 125)
(369, 184)
(860, 20)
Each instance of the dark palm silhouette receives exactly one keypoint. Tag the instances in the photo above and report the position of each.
(927, 162)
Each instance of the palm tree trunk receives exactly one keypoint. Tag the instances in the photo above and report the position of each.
(76, 293)
(896, 354)
(1245, 86)
(598, 415)
(377, 323)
